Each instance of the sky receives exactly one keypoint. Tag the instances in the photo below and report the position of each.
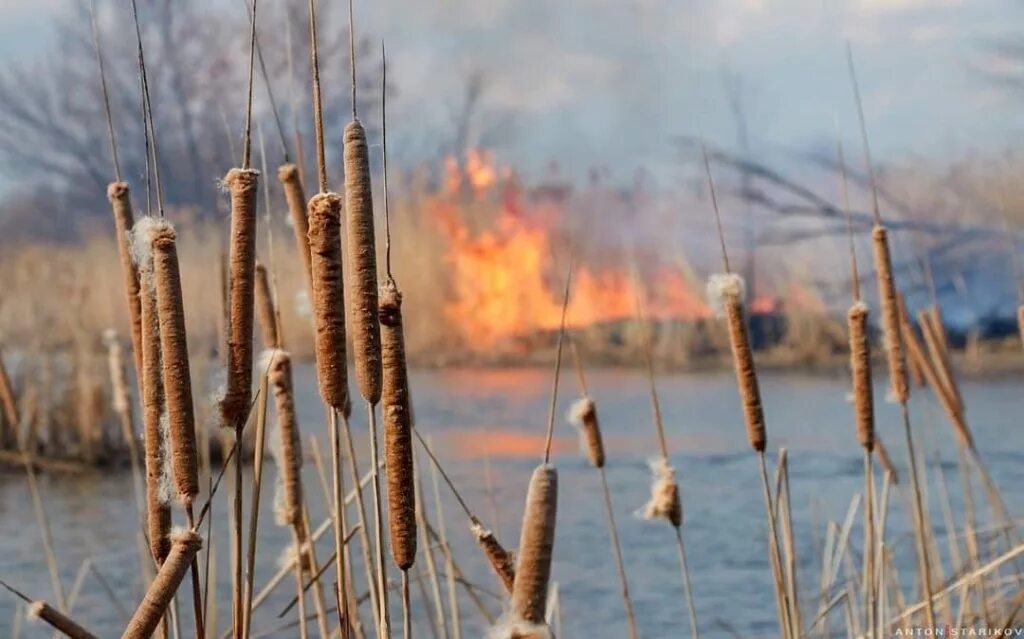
(611, 82)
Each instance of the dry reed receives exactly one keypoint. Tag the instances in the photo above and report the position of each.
(9, 404)
(242, 184)
(328, 297)
(121, 206)
(397, 425)
(57, 620)
(177, 380)
(536, 544)
(185, 544)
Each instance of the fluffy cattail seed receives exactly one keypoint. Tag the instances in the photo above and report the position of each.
(729, 289)
(501, 560)
(177, 380)
(362, 255)
(58, 621)
(860, 369)
(296, 197)
(328, 297)
(583, 414)
(184, 546)
(121, 205)
(664, 502)
(536, 544)
(890, 315)
(242, 184)
(397, 430)
(265, 309)
(290, 460)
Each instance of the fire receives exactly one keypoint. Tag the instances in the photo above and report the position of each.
(503, 281)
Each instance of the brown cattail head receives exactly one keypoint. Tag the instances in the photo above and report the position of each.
(177, 379)
(501, 560)
(860, 369)
(242, 184)
(664, 502)
(362, 256)
(328, 297)
(583, 415)
(883, 456)
(536, 545)
(898, 387)
(728, 288)
(154, 416)
(296, 198)
(265, 309)
(58, 621)
(184, 546)
(289, 457)
(121, 205)
(397, 430)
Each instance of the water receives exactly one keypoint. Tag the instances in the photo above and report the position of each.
(496, 420)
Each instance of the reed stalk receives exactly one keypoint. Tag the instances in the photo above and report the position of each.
(9, 404)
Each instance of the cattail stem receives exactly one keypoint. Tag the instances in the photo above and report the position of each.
(184, 547)
(781, 598)
(442, 528)
(364, 534)
(868, 581)
(378, 527)
(620, 565)
(684, 568)
(338, 520)
(254, 512)
(924, 565)
(58, 621)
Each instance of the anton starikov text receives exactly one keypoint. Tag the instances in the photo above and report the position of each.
(958, 631)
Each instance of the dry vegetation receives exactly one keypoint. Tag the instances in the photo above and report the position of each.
(193, 292)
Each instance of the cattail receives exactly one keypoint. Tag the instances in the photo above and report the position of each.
(664, 502)
(583, 414)
(242, 184)
(177, 380)
(290, 459)
(860, 369)
(728, 288)
(265, 309)
(296, 197)
(120, 203)
(154, 418)
(938, 349)
(502, 561)
(536, 543)
(185, 544)
(363, 260)
(58, 621)
(328, 297)
(890, 315)
(397, 430)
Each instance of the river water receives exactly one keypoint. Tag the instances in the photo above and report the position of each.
(488, 426)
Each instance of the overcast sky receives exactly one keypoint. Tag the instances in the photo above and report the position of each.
(596, 81)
